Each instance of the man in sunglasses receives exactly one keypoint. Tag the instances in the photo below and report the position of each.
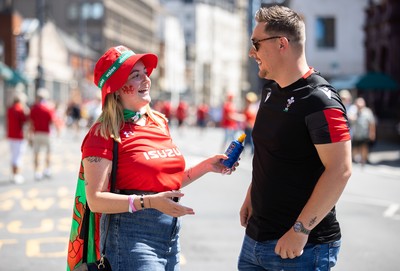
(302, 155)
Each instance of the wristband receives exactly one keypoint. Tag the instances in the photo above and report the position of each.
(142, 202)
(131, 199)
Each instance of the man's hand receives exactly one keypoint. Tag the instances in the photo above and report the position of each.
(291, 244)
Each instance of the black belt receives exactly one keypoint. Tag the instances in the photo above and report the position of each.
(140, 192)
(136, 192)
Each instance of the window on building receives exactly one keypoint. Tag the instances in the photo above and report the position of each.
(97, 11)
(73, 12)
(87, 11)
(325, 32)
(92, 11)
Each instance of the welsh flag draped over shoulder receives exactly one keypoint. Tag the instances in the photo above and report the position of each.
(76, 239)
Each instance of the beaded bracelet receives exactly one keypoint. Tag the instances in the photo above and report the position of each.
(142, 202)
(131, 199)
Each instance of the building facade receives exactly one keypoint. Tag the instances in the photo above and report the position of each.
(216, 44)
(382, 54)
(97, 25)
(335, 36)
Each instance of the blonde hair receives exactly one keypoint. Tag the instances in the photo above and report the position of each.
(112, 120)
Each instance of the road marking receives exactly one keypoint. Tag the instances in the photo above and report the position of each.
(391, 210)
(182, 259)
(380, 170)
(391, 207)
(7, 242)
(366, 200)
(45, 247)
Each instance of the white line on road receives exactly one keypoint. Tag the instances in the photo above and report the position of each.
(391, 210)
(366, 200)
(391, 207)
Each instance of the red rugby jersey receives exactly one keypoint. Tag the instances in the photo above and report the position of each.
(15, 121)
(148, 160)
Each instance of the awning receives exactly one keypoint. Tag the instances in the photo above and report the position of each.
(376, 81)
(370, 81)
(345, 82)
(18, 77)
(5, 72)
(12, 77)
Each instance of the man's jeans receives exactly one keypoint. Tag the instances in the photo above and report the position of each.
(256, 256)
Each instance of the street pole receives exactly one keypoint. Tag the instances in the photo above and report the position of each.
(40, 13)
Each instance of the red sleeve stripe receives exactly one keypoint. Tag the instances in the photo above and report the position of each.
(337, 125)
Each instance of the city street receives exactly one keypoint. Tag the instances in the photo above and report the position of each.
(36, 216)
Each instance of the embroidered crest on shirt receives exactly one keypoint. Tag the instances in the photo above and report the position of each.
(289, 103)
(327, 92)
(128, 133)
(268, 94)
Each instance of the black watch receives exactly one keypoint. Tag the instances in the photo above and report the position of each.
(298, 227)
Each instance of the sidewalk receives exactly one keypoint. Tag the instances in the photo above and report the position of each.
(65, 156)
(385, 153)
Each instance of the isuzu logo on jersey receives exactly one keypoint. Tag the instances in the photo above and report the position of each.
(156, 154)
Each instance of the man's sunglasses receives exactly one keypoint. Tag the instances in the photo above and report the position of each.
(256, 43)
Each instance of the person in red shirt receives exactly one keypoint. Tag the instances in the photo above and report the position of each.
(202, 116)
(181, 112)
(229, 121)
(41, 119)
(166, 109)
(143, 230)
(17, 116)
(250, 113)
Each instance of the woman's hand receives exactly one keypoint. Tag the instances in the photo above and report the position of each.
(211, 164)
(218, 167)
(164, 202)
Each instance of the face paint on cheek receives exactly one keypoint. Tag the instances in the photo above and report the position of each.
(128, 89)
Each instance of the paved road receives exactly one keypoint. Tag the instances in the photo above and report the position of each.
(36, 216)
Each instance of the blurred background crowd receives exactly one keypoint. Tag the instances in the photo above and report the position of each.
(203, 50)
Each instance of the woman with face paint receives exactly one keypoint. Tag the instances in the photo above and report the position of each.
(143, 233)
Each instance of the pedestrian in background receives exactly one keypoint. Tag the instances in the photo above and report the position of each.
(143, 231)
(41, 119)
(302, 155)
(17, 116)
(74, 114)
(250, 112)
(363, 125)
(94, 110)
(347, 100)
(166, 109)
(181, 113)
(229, 120)
(202, 116)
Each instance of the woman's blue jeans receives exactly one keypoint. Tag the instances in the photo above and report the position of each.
(142, 241)
(256, 256)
